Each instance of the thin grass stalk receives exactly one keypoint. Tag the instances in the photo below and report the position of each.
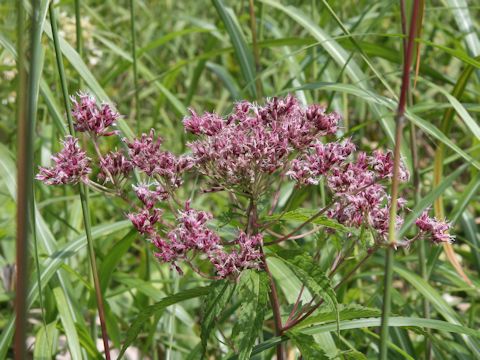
(135, 69)
(83, 189)
(24, 161)
(137, 105)
(78, 36)
(256, 50)
(392, 234)
(422, 259)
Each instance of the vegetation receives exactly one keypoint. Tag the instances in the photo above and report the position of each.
(281, 270)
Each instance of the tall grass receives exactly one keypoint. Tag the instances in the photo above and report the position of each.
(392, 231)
(24, 189)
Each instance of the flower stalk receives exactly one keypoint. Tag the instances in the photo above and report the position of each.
(83, 189)
(392, 231)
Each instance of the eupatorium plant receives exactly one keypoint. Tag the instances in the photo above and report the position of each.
(251, 155)
(245, 154)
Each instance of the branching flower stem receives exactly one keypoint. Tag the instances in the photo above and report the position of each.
(252, 223)
(292, 322)
(392, 236)
(83, 188)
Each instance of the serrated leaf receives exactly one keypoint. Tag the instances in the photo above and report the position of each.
(309, 349)
(253, 292)
(146, 313)
(310, 274)
(302, 215)
(354, 355)
(215, 302)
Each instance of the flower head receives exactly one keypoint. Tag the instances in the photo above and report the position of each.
(248, 256)
(150, 197)
(382, 164)
(435, 230)
(71, 165)
(114, 166)
(89, 117)
(146, 154)
(255, 140)
(145, 220)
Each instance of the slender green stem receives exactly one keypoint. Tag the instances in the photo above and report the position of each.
(256, 50)
(252, 228)
(135, 69)
(83, 188)
(392, 233)
(422, 259)
(78, 36)
(24, 190)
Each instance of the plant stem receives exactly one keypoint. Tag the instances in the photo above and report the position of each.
(392, 235)
(82, 187)
(78, 36)
(256, 51)
(252, 228)
(277, 317)
(24, 191)
(135, 69)
(299, 319)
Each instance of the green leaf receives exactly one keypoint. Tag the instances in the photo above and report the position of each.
(88, 344)
(113, 258)
(253, 293)
(68, 324)
(345, 312)
(215, 302)
(242, 51)
(46, 342)
(463, 18)
(227, 79)
(437, 302)
(309, 273)
(151, 310)
(302, 215)
(309, 349)
(373, 322)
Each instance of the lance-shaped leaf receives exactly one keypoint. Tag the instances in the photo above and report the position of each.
(215, 302)
(309, 349)
(253, 293)
(151, 310)
(310, 274)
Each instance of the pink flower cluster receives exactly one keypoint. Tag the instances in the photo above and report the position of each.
(434, 230)
(150, 197)
(245, 152)
(114, 167)
(191, 235)
(318, 160)
(255, 141)
(360, 198)
(91, 118)
(147, 156)
(71, 165)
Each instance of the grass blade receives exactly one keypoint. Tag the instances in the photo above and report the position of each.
(242, 52)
